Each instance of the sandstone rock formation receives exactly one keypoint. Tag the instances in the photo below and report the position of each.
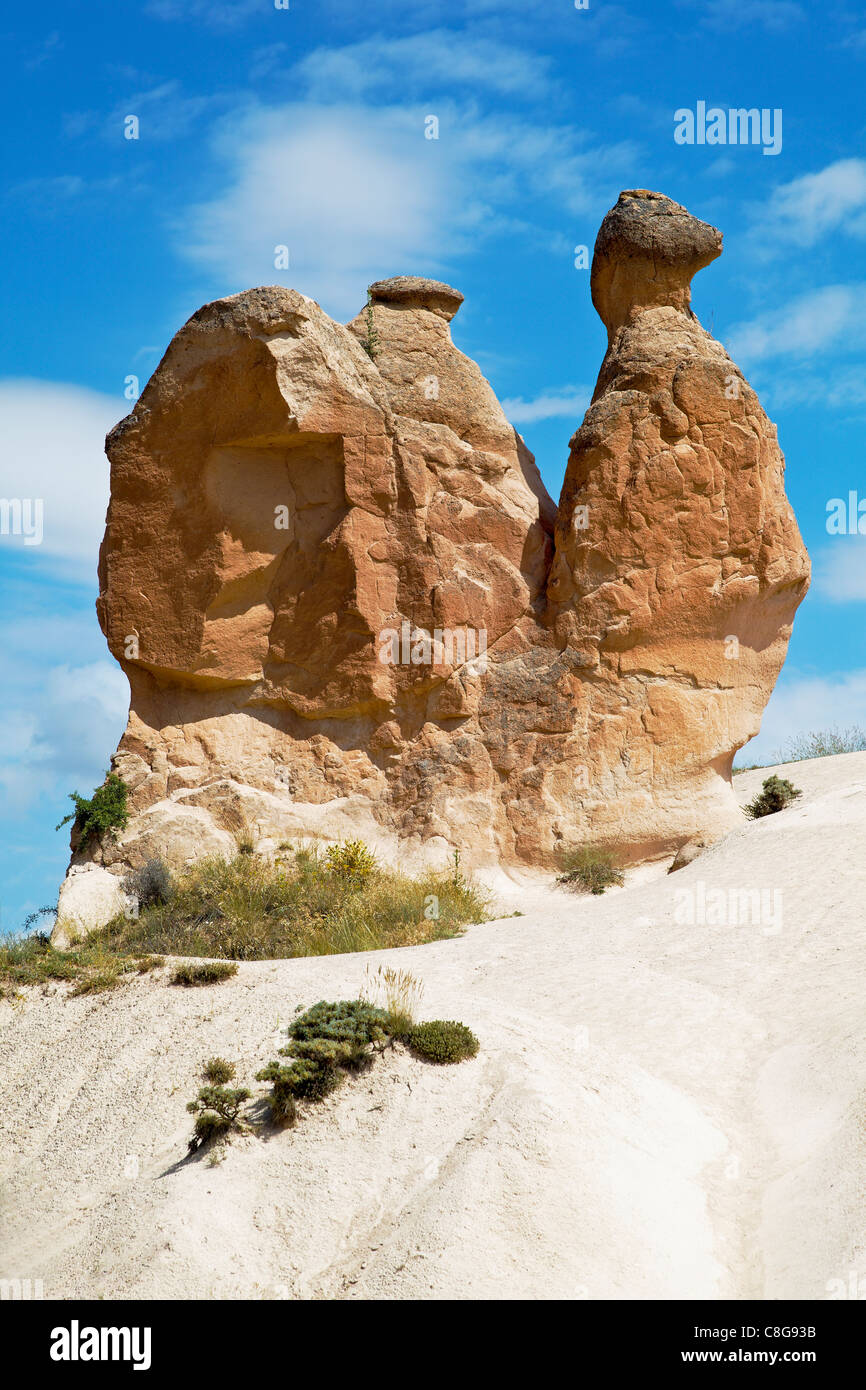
(347, 606)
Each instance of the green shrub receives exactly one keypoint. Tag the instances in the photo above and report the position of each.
(101, 976)
(587, 870)
(212, 972)
(776, 794)
(216, 1108)
(105, 811)
(218, 1071)
(144, 964)
(443, 1040)
(351, 860)
(327, 1040)
(284, 1110)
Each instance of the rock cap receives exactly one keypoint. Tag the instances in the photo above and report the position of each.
(416, 292)
(647, 250)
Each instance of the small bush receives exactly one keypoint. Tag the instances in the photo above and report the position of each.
(283, 1107)
(588, 870)
(216, 1108)
(151, 884)
(351, 860)
(776, 794)
(443, 1040)
(105, 811)
(338, 1034)
(211, 972)
(327, 1040)
(218, 1071)
(245, 843)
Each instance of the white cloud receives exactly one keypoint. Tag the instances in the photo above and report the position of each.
(801, 704)
(802, 212)
(53, 450)
(842, 389)
(553, 403)
(357, 193)
(821, 319)
(64, 699)
(840, 570)
(438, 58)
(163, 112)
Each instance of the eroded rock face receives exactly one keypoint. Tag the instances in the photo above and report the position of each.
(678, 565)
(346, 604)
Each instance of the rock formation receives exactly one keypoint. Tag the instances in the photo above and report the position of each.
(347, 606)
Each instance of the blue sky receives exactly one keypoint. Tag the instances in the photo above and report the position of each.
(304, 127)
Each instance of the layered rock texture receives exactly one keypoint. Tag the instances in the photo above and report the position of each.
(347, 606)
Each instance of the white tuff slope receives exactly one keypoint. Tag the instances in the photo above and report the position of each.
(657, 1110)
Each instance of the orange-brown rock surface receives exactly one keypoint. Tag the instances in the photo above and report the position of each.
(347, 606)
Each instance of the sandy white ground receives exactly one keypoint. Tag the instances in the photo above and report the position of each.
(657, 1110)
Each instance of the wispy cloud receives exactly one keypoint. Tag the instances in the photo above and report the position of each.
(557, 401)
(810, 324)
(215, 14)
(436, 60)
(804, 211)
(776, 16)
(357, 192)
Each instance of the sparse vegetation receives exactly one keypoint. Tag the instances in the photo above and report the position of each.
(443, 1040)
(775, 795)
(150, 885)
(822, 743)
(252, 908)
(216, 1107)
(105, 811)
(32, 960)
(302, 904)
(370, 344)
(587, 870)
(210, 972)
(399, 993)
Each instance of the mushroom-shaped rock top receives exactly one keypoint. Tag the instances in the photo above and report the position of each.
(415, 292)
(646, 252)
